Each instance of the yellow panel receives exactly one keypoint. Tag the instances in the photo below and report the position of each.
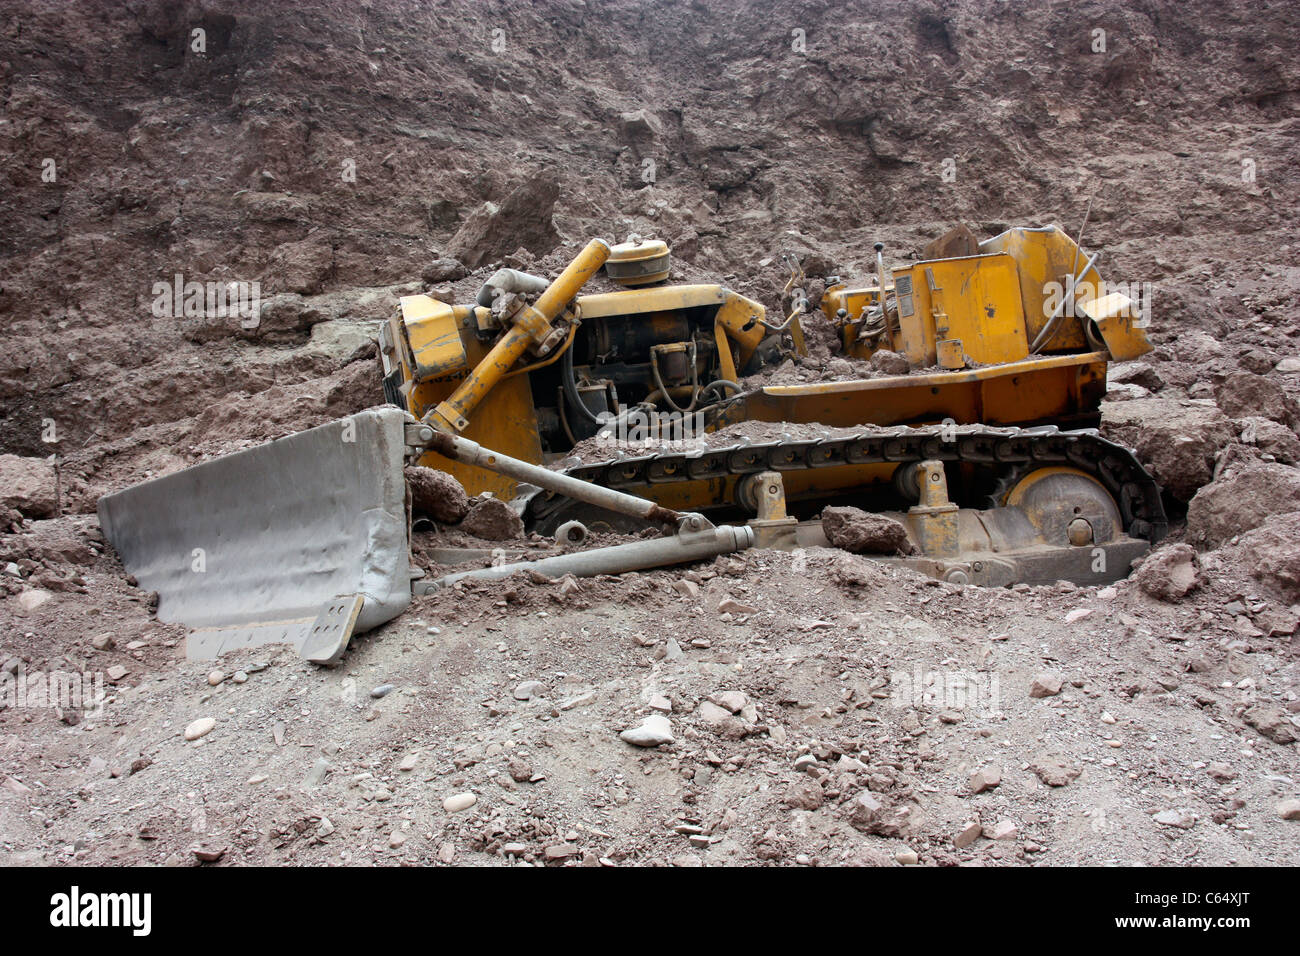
(1045, 257)
(1118, 319)
(974, 299)
(504, 421)
(433, 331)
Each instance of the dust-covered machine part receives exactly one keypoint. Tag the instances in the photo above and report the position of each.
(638, 262)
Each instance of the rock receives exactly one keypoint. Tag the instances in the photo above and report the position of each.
(711, 713)
(907, 858)
(316, 775)
(1272, 722)
(33, 598)
(527, 690)
(1169, 573)
(1242, 500)
(325, 828)
(27, 486)
(889, 363)
(1077, 615)
(492, 520)
(985, 779)
(1175, 440)
(1289, 809)
(443, 270)
(1141, 374)
(200, 728)
(1045, 685)
(207, 854)
(686, 587)
(732, 700)
(514, 849)
(1182, 819)
(458, 802)
(1272, 438)
(521, 771)
(436, 495)
(1272, 555)
(654, 731)
(852, 572)
(239, 677)
(734, 607)
(660, 703)
(408, 763)
(967, 835)
(102, 642)
(1002, 830)
(523, 219)
(1244, 394)
(1053, 769)
(804, 794)
(15, 786)
(860, 532)
(115, 673)
(396, 839)
(866, 812)
(216, 677)
(383, 690)
(1221, 772)
(447, 853)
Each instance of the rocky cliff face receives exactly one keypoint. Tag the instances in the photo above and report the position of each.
(339, 154)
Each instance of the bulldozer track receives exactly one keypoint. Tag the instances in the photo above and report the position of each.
(1005, 449)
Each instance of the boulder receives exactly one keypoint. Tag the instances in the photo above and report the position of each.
(1169, 573)
(1175, 440)
(861, 532)
(523, 219)
(493, 520)
(1241, 500)
(1272, 553)
(1270, 437)
(1245, 395)
(27, 486)
(436, 495)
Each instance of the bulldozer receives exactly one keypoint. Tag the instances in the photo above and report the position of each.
(971, 428)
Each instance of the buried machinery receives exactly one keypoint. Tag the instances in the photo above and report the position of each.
(981, 447)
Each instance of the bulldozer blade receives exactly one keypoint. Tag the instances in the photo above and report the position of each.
(301, 541)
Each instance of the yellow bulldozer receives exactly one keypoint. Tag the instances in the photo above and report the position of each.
(971, 427)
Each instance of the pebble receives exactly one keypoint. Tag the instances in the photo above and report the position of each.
(1289, 809)
(115, 673)
(660, 703)
(408, 763)
(383, 690)
(515, 849)
(1045, 685)
(733, 700)
(654, 730)
(967, 835)
(447, 853)
(240, 677)
(316, 775)
(200, 728)
(205, 854)
(529, 689)
(325, 828)
(216, 677)
(256, 778)
(102, 642)
(1182, 819)
(396, 839)
(985, 779)
(459, 801)
(33, 598)
(1002, 830)
(1078, 614)
(907, 858)
(1107, 717)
